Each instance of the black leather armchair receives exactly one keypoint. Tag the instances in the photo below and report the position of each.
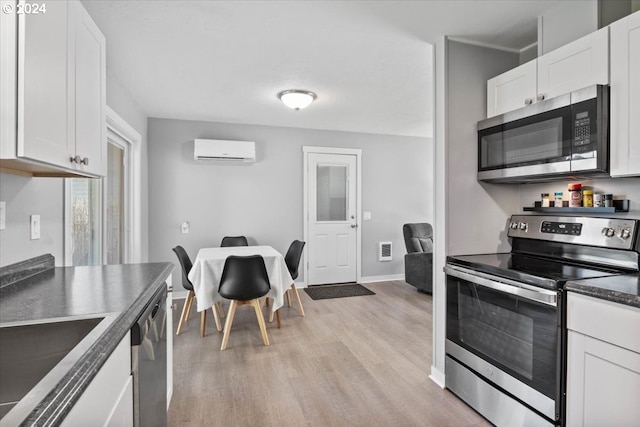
(418, 262)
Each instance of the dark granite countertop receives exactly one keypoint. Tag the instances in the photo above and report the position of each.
(624, 289)
(66, 292)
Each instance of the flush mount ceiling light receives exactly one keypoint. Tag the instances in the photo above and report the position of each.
(297, 99)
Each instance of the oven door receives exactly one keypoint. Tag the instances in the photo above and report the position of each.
(509, 334)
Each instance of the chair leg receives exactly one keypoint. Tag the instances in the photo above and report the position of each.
(216, 316)
(278, 318)
(263, 327)
(227, 324)
(185, 311)
(192, 296)
(288, 298)
(297, 295)
(203, 322)
(220, 310)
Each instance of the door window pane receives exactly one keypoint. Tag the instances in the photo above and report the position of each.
(331, 191)
(85, 221)
(115, 205)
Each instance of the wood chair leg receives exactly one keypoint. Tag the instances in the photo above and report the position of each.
(191, 297)
(227, 324)
(263, 326)
(203, 322)
(297, 295)
(216, 317)
(278, 318)
(221, 309)
(270, 316)
(183, 315)
(288, 298)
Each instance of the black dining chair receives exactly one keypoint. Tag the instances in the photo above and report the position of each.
(229, 241)
(244, 281)
(292, 260)
(186, 265)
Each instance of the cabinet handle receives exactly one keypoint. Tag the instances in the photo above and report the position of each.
(77, 159)
(528, 101)
(541, 97)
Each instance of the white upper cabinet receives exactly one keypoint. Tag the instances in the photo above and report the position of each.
(512, 90)
(625, 96)
(579, 64)
(54, 63)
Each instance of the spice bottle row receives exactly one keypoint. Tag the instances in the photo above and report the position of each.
(577, 196)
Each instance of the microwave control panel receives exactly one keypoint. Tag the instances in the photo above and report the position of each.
(582, 129)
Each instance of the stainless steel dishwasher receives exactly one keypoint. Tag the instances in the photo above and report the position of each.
(149, 363)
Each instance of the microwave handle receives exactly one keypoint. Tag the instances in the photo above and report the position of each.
(542, 296)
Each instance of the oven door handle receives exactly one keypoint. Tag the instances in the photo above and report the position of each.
(540, 295)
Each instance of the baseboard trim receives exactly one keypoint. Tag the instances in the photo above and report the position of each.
(373, 279)
(437, 377)
(181, 294)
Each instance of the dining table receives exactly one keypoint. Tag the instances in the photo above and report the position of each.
(208, 266)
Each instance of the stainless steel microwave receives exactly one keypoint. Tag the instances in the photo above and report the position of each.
(565, 136)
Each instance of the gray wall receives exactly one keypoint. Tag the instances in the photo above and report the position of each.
(45, 197)
(31, 196)
(621, 188)
(468, 69)
(264, 200)
(568, 21)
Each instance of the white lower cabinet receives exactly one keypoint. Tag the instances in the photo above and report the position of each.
(108, 401)
(603, 365)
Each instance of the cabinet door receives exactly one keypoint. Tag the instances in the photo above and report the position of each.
(603, 383)
(577, 65)
(44, 104)
(89, 93)
(625, 96)
(511, 90)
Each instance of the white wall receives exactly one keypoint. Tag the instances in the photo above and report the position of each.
(45, 197)
(264, 200)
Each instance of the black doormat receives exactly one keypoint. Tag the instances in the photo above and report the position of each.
(337, 291)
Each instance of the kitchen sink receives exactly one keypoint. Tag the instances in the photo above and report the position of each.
(34, 357)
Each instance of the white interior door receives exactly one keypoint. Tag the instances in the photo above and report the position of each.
(332, 218)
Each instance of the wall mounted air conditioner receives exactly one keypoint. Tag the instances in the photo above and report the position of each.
(221, 150)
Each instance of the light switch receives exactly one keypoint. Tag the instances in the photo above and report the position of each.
(366, 216)
(35, 227)
(185, 227)
(3, 215)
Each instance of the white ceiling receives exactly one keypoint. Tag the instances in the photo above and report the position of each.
(370, 62)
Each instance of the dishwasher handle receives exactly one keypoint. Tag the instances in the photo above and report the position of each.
(157, 305)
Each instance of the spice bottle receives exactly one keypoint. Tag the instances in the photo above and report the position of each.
(545, 200)
(587, 198)
(575, 195)
(557, 199)
(608, 200)
(598, 200)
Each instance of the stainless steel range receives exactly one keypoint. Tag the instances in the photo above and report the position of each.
(506, 335)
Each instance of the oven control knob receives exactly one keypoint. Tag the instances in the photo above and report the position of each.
(513, 225)
(523, 226)
(624, 233)
(608, 231)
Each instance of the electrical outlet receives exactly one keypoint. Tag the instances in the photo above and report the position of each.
(3, 215)
(366, 216)
(35, 227)
(185, 227)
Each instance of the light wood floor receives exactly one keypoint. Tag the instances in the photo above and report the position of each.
(358, 361)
